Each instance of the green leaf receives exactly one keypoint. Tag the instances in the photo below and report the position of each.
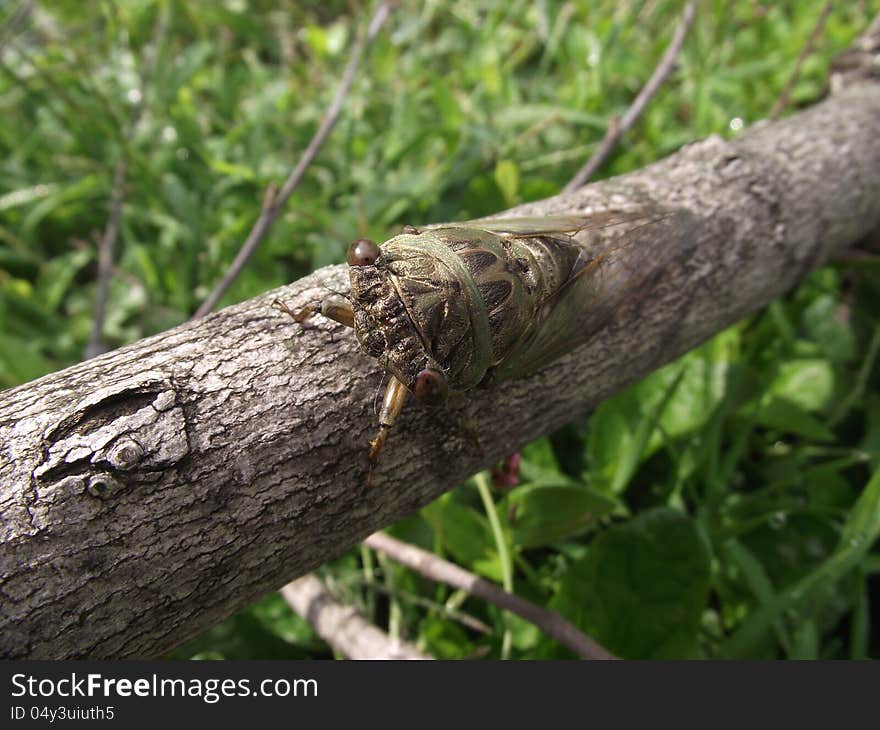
(57, 276)
(525, 635)
(859, 534)
(444, 639)
(674, 401)
(20, 361)
(756, 579)
(834, 337)
(446, 102)
(466, 534)
(862, 528)
(25, 196)
(507, 180)
(642, 587)
(543, 515)
(871, 440)
(806, 383)
(539, 463)
(788, 416)
(612, 438)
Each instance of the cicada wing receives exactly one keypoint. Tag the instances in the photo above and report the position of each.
(620, 276)
(564, 321)
(555, 224)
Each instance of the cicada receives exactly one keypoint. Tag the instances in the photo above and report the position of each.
(452, 307)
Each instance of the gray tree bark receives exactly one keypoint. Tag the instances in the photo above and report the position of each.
(150, 492)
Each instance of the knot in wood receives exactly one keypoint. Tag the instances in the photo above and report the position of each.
(126, 454)
(103, 486)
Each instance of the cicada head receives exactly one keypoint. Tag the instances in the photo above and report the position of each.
(384, 328)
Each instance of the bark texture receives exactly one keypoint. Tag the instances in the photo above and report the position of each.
(150, 492)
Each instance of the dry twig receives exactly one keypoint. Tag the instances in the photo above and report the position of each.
(107, 244)
(437, 569)
(782, 101)
(618, 127)
(274, 204)
(16, 20)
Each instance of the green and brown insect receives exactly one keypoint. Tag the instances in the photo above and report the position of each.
(455, 306)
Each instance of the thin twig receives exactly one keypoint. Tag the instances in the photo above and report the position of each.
(618, 127)
(107, 244)
(18, 17)
(782, 101)
(437, 569)
(95, 345)
(453, 614)
(274, 204)
(342, 626)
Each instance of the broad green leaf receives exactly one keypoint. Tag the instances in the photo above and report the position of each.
(806, 383)
(465, 533)
(526, 635)
(788, 416)
(543, 515)
(827, 488)
(444, 639)
(611, 437)
(642, 587)
(539, 463)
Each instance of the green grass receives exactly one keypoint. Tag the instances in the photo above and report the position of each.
(728, 505)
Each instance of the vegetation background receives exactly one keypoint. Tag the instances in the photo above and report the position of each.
(723, 507)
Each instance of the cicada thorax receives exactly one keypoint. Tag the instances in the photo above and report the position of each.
(457, 300)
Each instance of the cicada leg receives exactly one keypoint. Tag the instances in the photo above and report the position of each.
(392, 405)
(335, 308)
(299, 316)
(339, 310)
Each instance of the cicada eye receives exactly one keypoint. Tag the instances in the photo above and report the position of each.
(431, 387)
(363, 252)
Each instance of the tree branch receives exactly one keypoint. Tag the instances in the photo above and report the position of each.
(342, 626)
(152, 491)
(442, 571)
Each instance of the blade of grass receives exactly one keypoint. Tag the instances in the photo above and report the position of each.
(482, 482)
(859, 533)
